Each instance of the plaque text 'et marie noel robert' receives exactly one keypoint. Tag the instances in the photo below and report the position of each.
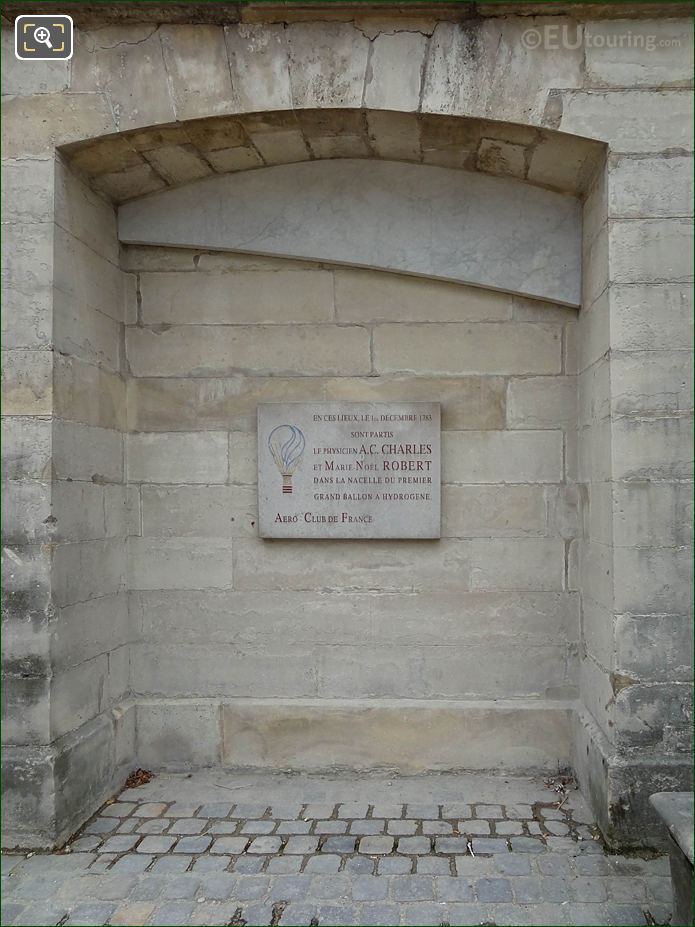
(349, 469)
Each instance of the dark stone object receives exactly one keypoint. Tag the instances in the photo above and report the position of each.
(676, 811)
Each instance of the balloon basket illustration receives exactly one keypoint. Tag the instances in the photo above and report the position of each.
(286, 444)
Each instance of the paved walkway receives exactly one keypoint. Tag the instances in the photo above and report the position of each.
(218, 848)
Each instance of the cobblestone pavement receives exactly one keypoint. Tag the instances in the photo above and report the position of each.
(216, 848)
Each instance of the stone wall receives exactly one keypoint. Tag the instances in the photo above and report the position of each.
(65, 513)
(489, 612)
(467, 94)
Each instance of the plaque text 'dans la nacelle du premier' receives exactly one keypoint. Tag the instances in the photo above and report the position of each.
(349, 469)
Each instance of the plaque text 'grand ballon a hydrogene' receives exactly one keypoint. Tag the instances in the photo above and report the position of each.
(349, 469)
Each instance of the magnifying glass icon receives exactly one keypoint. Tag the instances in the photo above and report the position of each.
(42, 35)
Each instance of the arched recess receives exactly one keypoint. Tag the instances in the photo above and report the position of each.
(126, 168)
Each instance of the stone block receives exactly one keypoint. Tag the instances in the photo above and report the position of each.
(86, 278)
(371, 296)
(340, 146)
(88, 394)
(180, 734)
(258, 733)
(654, 647)
(652, 514)
(651, 382)
(394, 75)
(109, 155)
(87, 629)
(78, 509)
(630, 120)
(652, 580)
(595, 572)
(211, 404)
(44, 76)
(81, 452)
(26, 512)
(177, 458)
(312, 617)
(29, 805)
(27, 267)
(208, 350)
(594, 457)
(517, 563)
(394, 136)
(502, 456)
(243, 454)
(467, 403)
(645, 317)
(195, 58)
(493, 511)
(654, 52)
(27, 589)
(259, 64)
(27, 196)
(78, 695)
(651, 251)
(117, 509)
(204, 671)
(650, 187)
(242, 297)
(179, 563)
(27, 383)
(567, 171)
(178, 164)
(655, 717)
(499, 157)
(503, 77)
(563, 507)
(503, 671)
(88, 569)
(89, 768)
(199, 511)
(454, 350)
(595, 269)
(280, 146)
(120, 60)
(49, 120)
(541, 402)
(85, 333)
(225, 160)
(314, 564)
(125, 185)
(26, 448)
(652, 448)
(25, 709)
(87, 216)
(328, 63)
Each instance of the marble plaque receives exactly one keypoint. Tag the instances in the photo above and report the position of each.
(349, 470)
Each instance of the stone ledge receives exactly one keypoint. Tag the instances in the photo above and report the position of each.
(676, 811)
(406, 735)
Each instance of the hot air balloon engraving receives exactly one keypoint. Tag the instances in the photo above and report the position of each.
(286, 443)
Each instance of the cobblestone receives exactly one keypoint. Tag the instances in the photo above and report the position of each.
(374, 846)
(289, 861)
(414, 845)
(193, 845)
(188, 826)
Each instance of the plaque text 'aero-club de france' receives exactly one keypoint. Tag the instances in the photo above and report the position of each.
(349, 470)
